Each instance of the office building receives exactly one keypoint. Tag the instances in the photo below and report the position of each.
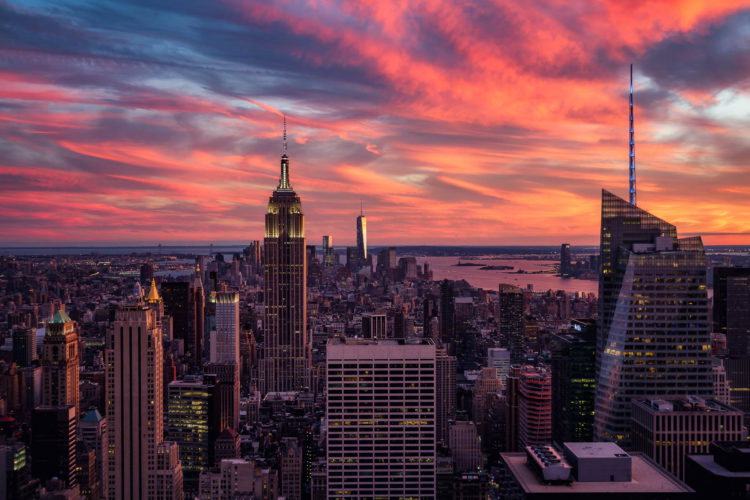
(60, 364)
(53, 444)
(183, 302)
(486, 383)
(362, 238)
(139, 463)
(92, 430)
(511, 406)
(465, 447)
(374, 326)
(510, 310)
(585, 470)
(654, 337)
(722, 389)
(225, 342)
(16, 482)
(24, 346)
(286, 362)
(534, 406)
(724, 472)
(668, 430)
(565, 270)
(447, 313)
(329, 258)
(445, 393)
(291, 468)
(381, 419)
(499, 359)
(191, 424)
(573, 384)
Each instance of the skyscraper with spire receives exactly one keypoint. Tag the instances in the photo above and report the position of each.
(361, 236)
(286, 359)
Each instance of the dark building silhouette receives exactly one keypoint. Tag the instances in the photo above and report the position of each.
(53, 444)
(447, 313)
(573, 383)
(510, 309)
(565, 260)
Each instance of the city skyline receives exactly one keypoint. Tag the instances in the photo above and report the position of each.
(434, 120)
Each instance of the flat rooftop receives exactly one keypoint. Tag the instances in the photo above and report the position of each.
(708, 462)
(596, 450)
(647, 478)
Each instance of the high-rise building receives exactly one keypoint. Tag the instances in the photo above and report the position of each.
(486, 383)
(225, 344)
(669, 429)
(499, 359)
(196, 319)
(374, 326)
(654, 336)
(464, 445)
(53, 444)
(16, 482)
(511, 402)
(510, 309)
(534, 407)
(565, 260)
(445, 393)
(722, 389)
(60, 363)
(362, 237)
(447, 313)
(286, 362)
(93, 432)
(291, 468)
(24, 346)
(328, 255)
(732, 308)
(573, 384)
(136, 453)
(191, 424)
(374, 386)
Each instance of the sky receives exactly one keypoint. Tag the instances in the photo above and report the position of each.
(453, 123)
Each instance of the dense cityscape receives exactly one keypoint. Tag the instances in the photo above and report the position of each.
(510, 336)
(290, 370)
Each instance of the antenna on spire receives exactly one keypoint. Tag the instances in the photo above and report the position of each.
(284, 141)
(361, 208)
(632, 143)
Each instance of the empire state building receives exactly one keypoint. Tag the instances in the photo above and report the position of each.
(286, 355)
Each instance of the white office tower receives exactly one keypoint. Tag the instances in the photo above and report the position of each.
(138, 466)
(499, 359)
(381, 419)
(225, 342)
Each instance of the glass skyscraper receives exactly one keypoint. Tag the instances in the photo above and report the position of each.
(654, 335)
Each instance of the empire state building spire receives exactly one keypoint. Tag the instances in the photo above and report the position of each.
(284, 178)
(632, 143)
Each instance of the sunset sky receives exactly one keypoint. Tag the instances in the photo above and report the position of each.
(487, 123)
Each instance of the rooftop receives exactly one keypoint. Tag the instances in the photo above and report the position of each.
(647, 478)
(596, 450)
(684, 404)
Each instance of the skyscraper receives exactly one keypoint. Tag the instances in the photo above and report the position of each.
(445, 393)
(53, 443)
(135, 411)
(60, 364)
(286, 359)
(362, 237)
(328, 256)
(24, 345)
(534, 407)
(510, 309)
(565, 260)
(654, 335)
(225, 344)
(381, 419)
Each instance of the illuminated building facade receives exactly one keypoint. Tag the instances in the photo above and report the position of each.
(135, 407)
(190, 423)
(286, 362)
(565, 260)
(381, 419)
(654, 336)
(328, 255)
(60, 363)
(670, 429)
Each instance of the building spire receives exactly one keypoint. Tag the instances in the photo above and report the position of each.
(284, 140)
(284, 177)
(632, 144)
(361, 208)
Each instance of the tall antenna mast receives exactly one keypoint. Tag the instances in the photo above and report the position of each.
(632, 144)
(284, 140)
